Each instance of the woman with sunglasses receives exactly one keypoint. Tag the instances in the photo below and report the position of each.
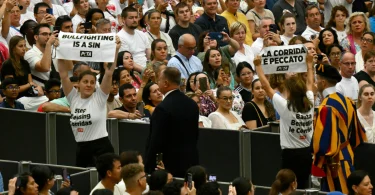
(223, 117)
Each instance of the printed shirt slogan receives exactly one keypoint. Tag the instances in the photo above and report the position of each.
(282, 59)
(303, 125)
(86, 47)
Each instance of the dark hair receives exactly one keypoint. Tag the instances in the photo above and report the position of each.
(120, 58)
(188, 87)
(267, 104)
(297, 101)
(199, 175)
(39, 5)
(284, 178)
(283, 18)
(102, 192)
(173, 188)
(152, 192)
(329, 48)
(209, 188)
(51, 83)
(105, 162)
(206, 64)
(368, 55)
(126, 10)
(91, 12)
(78, 65)
(297, 38)
(117, 73)
(39, 26)
(221, 89)
(41, 175)
(158, 179)
(87, 72)
(200, 43)
(24, 177)
(310, 7)
(64, 191)
(16, 64)
(277, 81)
(125, 87)
(355, 178)
(179, 6)
(62, 19)
(25, 26)
(331, 23)
(73, 79)
(172, 75)
(322, 47)
(8, 81)
(129, 157)
(243, 185)
(151, 11)
(153, 46)
(243, 65)
(146, 94)
(76, 2)
(370, 33)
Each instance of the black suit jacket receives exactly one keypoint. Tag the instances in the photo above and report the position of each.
(174, 132)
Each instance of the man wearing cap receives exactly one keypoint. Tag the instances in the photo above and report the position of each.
(10, 90)
(337, 132)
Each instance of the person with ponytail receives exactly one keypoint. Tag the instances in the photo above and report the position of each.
(296, 120)
(285, 183)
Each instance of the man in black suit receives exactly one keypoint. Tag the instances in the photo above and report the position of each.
(173, 128)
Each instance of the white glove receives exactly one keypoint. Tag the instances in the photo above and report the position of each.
(315, 180)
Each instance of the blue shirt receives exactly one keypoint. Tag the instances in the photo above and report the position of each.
(372, 23)
(17, 105)
(193, 64)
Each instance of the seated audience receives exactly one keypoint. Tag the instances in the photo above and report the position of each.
(52, 91)
(159, 51)
(44, 177)
(109, 169)
(26, 185)
(334, 53)
(245, 53)
(243, 186)
(245, 74)
(288, 27)
(223, 117)
(327, 37)
(128, 110)
(103, 26)
(11, 89)
(112, 101)
(365, 113)
(28, 32)
(41, 15)
(285, 183)
(259, 111)
(134, 177)
(125, 60)
(367, 44)
(151, 97)
(359, 183)
(203, 120)
(357, 24)
(64, 23)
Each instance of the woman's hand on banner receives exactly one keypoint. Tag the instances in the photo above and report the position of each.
(118, 43)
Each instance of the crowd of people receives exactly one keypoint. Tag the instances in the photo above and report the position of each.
(181, 65)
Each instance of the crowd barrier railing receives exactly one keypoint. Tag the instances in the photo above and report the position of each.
(48, 138)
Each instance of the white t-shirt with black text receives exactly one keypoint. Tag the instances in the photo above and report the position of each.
(88, 116)
(296, 129)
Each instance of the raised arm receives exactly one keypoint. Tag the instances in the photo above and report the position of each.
(63, 66)
(310, 72)
(262, 78)
(6, 9)
(107, 79)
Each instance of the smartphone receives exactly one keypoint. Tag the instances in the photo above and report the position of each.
(190, 180)
(159, 158)
(140, 108)
(320, 57)
(66, 175)
(203, 84)
(215, 35)
(18, 182)
(140, 2)
(56, 28)
(49, 11)
(87, 25)
(312, 37)
(212, 178)
(273, 28)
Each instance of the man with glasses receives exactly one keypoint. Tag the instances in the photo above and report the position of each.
(313, 20)
(11, 22)
(367, 44)
(134, 177)
(41, 15)
(184, 60)
(40, 56)
(295, 7)
(10, 90)
(348, 86)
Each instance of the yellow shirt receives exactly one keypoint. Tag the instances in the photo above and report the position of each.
(240, 17)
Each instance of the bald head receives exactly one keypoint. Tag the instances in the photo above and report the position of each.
(347, 55)
(187, 45)
(347, 65)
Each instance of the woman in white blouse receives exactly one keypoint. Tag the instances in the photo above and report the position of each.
(365, 113)
(245, 52)
(223, 117)
(288, 26)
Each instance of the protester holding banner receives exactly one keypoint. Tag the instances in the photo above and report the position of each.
(89, 113)
(296, 120)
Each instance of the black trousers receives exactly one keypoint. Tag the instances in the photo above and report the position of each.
(88, 152)
(298, 160)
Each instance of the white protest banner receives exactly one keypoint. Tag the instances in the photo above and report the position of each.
(282, 59)
(86, 47)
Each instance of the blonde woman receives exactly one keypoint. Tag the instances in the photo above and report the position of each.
(358, 24)
(245, 52)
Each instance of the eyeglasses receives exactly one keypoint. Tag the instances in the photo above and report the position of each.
(246, 73)
(349, 63)
(45, 34)
(227, 99)
(13, 87)
(42, 12)
(54, 91)
(367, 40)
(335, 54)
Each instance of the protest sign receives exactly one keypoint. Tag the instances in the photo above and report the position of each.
(282, 59)
(86, 47)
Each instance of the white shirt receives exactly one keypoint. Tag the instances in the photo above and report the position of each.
(58, 10)
(13, 32)
(360, 64)
(348, 87)
(286, 39)
(88, 116)
(114, 23)
(370, 130)
(27, 16)
(341, 35)
(136, 44)
(220, 122)
(328, 91)
(68, 7)
(76, 20)
(329, 4)
(206, 121)
(309, 31)
(257, 46)
(296, 129)
(99, 186)
(247, 57)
